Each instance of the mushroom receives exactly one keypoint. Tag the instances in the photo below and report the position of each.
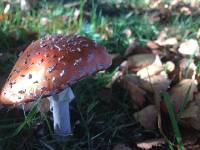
(48, 67)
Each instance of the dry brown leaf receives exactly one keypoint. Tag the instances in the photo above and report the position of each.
(137, 94)
(149, 71)
(152, 69)
(189, 47)
(168, 37)
(147, 117)
(158, 15)
(197, 98)
(124, 66)
(132, 78)
(133, 44)
(155, 3)
(187, 69)
(135, 48)
(186, 10)
(181, 90)
(149, 144)
(191, 114)
(136, 62)
(116, 59)
(154, 17)
(168, 42)
(156, 83)
(121, 147)
(153, 45)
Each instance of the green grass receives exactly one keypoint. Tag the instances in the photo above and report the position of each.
(174, 122)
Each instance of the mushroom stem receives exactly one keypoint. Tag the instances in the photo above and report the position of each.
(59, 104)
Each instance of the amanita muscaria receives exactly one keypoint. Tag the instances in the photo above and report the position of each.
(48, 67)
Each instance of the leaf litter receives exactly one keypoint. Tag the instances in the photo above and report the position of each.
(145, 72)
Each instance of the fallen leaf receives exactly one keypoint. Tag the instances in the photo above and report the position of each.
(154, 17)
(191, 114)
(189, 47)
(133, 44)
(186, 10)
(149, 71)
(191, 139)
(186, 87)
(153, 45)
(147, 117)
(124, 66)
(187, 69)
(132, 78)
(116, 59)
(149, 144)
(155, 4)
(157, 15)
(121, 147)
(170, 41)
(156, 83)
(135, 48)
(137, 94)
(139, 61)
(152, 69)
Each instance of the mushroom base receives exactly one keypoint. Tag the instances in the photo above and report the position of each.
(59, 105)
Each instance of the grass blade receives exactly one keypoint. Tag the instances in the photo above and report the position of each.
(175, 127)
(185, 101)
(27, 120)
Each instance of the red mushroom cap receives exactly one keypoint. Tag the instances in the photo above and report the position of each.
(51, 64)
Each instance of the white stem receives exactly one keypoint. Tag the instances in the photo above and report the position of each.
(60, 107)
